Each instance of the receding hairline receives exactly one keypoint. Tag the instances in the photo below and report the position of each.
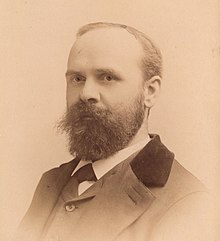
(110, 33)
(102, 25)
(88, 27)
(154, 60)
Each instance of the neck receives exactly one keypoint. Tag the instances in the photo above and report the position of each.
(141, 134)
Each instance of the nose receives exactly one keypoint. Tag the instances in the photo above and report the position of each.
(90, 91)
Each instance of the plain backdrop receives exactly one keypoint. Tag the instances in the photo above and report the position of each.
(35, 39)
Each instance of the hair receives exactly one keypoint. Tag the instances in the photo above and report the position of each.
(152, 58)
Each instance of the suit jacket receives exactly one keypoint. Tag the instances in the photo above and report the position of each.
(118, 206)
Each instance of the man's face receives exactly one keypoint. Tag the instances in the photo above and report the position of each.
(105, 100)
(104, 65)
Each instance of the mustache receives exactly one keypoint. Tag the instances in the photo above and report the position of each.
(81, 113)
(85, 109)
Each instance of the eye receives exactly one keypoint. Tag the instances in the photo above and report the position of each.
(108, 77)
(77, 78)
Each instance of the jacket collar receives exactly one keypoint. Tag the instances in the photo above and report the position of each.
(159, 161)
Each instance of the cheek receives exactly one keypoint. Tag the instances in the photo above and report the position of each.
(72, 96)
(123, 92)
(119, 101)
(127, 95)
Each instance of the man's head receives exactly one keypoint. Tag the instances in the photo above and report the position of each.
(113, 79)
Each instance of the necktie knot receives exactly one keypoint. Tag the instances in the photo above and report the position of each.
(85, 173)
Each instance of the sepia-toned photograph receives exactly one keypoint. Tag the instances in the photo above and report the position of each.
(110, 120)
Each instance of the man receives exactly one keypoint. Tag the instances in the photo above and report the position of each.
(133, 188)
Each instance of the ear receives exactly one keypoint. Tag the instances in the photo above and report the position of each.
(152, 91)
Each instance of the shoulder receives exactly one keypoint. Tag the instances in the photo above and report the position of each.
(188, 219)
(55, 178)
(181, 187)
(187, 208)
(65, 169)
(181, 182)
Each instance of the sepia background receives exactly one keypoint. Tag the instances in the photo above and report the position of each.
(36, 37)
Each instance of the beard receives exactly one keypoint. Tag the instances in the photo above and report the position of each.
(96, 133)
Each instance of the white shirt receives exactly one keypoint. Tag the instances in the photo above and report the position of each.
(101, 167)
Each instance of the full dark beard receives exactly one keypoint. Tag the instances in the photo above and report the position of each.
(95, 133)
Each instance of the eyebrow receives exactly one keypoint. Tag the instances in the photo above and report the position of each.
(108, 71)
(72, 72)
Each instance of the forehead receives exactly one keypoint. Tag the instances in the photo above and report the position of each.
(108, 45)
